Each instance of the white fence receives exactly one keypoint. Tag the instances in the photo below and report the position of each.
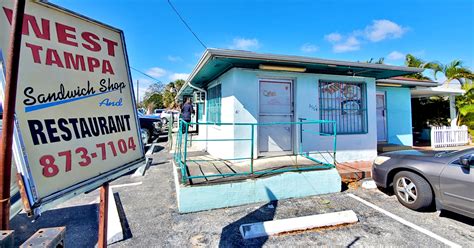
(449, 136)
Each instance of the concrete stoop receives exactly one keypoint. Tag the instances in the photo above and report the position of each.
(275, 187)
(355, 171)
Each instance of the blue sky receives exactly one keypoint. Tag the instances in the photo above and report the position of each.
(160, 45)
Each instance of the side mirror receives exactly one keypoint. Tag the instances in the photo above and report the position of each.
(465, 161)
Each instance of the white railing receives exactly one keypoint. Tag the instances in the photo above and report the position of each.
(449, 136)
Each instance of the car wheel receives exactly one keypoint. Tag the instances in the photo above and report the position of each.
(164, 121)
(145, 136)
(412, 190)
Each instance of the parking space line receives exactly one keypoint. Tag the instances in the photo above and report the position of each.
(405, 222)
(125, 185)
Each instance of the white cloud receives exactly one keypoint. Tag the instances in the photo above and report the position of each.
(176, 76)
(384, 29)
(156, 72)
(379, 30)
(395, 55)
(309, 48)
(174, 58)
(333, 37)
(350, 44)
(245, 44)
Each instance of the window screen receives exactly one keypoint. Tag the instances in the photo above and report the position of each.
(214, 103)
(344, 103)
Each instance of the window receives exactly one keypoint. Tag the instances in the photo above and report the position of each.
(200, 108)
(344, 103)
(214, 104)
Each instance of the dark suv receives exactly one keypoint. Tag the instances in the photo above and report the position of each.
(151, 127)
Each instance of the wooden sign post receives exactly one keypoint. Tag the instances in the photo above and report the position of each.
(103, 211)
(13, 61)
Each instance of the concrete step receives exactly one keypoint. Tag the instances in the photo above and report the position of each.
(386, 147)
(357, 170)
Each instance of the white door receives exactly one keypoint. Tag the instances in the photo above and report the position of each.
(276, 105)
(381, 117)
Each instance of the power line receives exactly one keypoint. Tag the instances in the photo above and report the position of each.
(186, 24)
(158, 81)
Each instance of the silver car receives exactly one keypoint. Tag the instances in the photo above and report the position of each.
(420, 179)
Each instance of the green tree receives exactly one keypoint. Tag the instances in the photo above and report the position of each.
(412, 61)
(454, 71)
(153, 97)
(169, 93)
(465, 106)
(379, 61)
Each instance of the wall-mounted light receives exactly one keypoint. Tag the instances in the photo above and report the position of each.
(389, 85)
(281, 68)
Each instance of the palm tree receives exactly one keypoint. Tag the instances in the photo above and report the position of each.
(465, 105)
(412, 61)
(455, 71)
(379, 61)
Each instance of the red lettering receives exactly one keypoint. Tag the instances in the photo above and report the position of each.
(107, 67)
(92, 63)
(78, 63)
(52, 57)
(44, 33)
(63, 35)
(110, 46)
(90, 38)
(35, 52)
(8, 14)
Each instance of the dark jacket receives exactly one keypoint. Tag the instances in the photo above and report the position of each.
(186, 111)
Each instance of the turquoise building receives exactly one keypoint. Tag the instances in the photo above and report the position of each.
(370, 103)
(267, 125)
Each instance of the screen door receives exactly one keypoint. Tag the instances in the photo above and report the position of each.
(276, 105)
(381, 117)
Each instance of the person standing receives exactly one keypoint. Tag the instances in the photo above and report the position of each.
(186, 112)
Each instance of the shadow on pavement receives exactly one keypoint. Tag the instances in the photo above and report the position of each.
(81, 225)
(127, 232)
(231, 237)
(457, 217)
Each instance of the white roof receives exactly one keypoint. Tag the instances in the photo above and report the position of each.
(442, 90)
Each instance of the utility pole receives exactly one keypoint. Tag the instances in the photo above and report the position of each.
(11, 77)
(138, 91)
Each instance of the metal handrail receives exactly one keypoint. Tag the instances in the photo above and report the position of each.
(181, 152)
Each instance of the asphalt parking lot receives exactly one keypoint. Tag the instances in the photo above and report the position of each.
(152, 220)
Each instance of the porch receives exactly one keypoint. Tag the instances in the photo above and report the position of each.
(205, 170)
(206, 180)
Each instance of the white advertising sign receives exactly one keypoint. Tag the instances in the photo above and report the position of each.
(75, 110)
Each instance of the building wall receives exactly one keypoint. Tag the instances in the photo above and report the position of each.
(399, 120)
(221, 149)
(240, 104)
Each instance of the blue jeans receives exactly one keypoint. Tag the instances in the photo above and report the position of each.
(184, 127)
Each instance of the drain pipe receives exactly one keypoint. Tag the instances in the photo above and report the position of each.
(205, 99)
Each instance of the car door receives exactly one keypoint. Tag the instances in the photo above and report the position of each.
(457, 185)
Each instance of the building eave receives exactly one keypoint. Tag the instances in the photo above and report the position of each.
(245, 59)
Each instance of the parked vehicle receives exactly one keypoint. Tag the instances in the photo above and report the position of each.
(150, 127)
(420, 179)
(157, 112)
(166, 116)
(142, 110)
